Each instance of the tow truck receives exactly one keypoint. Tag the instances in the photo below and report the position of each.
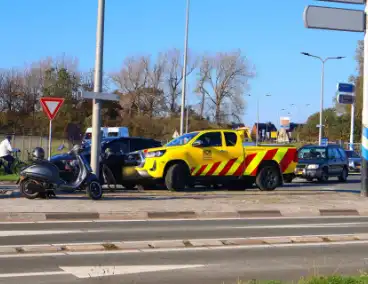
(224, 157)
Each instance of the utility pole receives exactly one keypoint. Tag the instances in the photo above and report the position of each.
(323, 61)
(184, 74)
(96, 113)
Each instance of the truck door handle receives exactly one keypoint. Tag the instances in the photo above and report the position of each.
(223, 151)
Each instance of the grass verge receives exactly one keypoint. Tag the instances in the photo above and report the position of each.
(10, 178)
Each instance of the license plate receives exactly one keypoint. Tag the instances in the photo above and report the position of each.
(358, 167)
(300, 172)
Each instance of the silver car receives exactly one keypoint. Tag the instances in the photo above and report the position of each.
(355, 161)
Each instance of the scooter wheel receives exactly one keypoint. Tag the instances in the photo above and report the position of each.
(25, 191)
(94, 190)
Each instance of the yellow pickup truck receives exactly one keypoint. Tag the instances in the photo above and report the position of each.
(217, 157)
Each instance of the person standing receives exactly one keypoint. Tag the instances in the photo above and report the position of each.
(5, 153)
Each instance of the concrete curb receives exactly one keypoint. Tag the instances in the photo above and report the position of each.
(157, 215)
(179, 244)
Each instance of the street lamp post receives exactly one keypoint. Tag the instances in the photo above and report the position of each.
(257, 125)
(184, 74)
(323, 60)
(96, 116)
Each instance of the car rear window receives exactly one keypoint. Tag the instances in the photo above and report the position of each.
(312, 153)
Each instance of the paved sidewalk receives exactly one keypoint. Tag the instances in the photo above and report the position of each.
(183, 205)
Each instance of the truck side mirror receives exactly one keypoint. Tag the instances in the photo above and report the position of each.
(197, 143)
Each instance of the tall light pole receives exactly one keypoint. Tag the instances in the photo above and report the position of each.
(323, 60)
(96, 112)
(257, 125)
(184, 74)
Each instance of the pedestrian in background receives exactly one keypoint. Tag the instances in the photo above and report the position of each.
(5, 153)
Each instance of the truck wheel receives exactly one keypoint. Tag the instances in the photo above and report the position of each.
(176, 177)
(268, 178)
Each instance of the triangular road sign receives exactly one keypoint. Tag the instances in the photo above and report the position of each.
(99, 271)
(51, 106)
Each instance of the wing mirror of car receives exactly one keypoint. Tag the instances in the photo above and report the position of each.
(198, 143)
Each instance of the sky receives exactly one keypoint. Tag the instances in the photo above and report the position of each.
(271, 34)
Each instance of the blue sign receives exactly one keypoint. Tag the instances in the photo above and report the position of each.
(346, 99)
(324, 141)
(345, 88)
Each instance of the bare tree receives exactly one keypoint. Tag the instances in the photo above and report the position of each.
(223, 78)
(131, 80)
(11, 90)
(174, 76)
(153, 96)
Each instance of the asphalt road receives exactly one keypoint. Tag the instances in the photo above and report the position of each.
(196, 265)
(204, 266)
(81, 232)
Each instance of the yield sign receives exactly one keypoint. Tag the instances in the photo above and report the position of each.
(51, 106)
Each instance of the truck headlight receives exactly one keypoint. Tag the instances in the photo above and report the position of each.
(351, 164)
(155, 154)
(313, 167)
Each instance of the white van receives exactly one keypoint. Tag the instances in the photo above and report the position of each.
(117, 132)
(107, 132)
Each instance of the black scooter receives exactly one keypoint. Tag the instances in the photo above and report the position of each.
(42, 178)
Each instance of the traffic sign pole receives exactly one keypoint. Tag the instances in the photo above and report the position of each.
(50, 137)
(351, 146)
(364, 173)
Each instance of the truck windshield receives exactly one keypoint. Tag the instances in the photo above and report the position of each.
(182, 140)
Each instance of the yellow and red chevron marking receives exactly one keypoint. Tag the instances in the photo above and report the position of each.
(285, 157)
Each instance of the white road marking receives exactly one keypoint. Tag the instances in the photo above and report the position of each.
(100, 271)
(12, 233)
(296, 226)
(45, 232)
(186, 219)
(32, 274)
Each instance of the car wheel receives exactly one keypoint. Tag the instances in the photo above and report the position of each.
(324, 176)
(176, 177)
(344, 175)
(268, 178)
(310, 179)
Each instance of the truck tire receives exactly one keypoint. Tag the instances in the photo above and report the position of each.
(176, 177)
(268, 178)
